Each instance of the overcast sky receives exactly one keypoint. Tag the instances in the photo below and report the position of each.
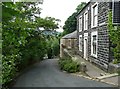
(60, 9)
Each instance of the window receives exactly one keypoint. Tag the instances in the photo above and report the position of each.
(85, 20)
(80, 24)
(116, 12)
(94, 44)
(80, 42)
(94, 15)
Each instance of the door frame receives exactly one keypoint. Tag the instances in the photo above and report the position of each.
(86, 46)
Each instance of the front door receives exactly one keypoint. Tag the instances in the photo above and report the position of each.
(86, 46)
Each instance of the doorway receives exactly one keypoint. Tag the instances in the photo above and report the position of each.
(86, 46)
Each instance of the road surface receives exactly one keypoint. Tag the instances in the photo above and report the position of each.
(48, 74)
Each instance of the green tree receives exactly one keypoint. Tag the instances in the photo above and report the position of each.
(71, 22)
(47, 23)
(80, 6)
(22, 40)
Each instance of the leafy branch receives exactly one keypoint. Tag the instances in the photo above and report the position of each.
(114, 33)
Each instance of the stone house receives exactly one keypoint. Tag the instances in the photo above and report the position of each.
(92, 32)
(68, 42)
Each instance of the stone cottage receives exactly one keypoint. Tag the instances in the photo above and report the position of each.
(92, 32)
(68, 42)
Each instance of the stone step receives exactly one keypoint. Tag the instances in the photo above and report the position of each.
(107, 76)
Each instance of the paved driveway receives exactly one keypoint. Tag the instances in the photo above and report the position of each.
(47, 74)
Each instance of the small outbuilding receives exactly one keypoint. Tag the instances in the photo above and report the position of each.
(69, 42)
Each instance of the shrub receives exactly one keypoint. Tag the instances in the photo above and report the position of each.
(114, 34)
(63, 62)
(115, 61)
(52, 47)
(55, 47)
(69, 65)
(8, 70)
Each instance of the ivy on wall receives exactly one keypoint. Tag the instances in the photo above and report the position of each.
(114, 33)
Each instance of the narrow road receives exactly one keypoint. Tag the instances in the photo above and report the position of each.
(47, 74)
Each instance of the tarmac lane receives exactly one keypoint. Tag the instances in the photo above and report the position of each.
(48, 74)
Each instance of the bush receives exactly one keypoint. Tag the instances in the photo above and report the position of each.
(63, 62)
(52, 47)
(69, 65)
(55, 47)
(115, 61)
(8, 70)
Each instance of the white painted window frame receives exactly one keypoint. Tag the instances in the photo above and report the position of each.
(86, 20)
(80, 46)
(94, 33)
(92, 26)
(80, 24)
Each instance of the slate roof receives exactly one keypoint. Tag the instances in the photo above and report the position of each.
(72, 35)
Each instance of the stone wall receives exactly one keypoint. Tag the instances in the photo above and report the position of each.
(69, 44)
(103, 46)
(114, 68)
(102, 59)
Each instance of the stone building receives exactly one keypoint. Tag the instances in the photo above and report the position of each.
(68, 42)
(92, 32)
